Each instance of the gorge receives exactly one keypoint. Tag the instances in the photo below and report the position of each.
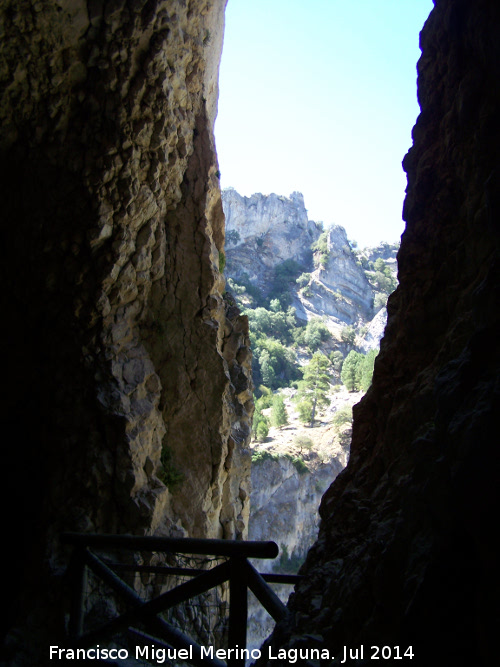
(122, 354)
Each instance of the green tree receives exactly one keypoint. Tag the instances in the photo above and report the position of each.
(379, 301)
(367, 369)
(314, 386)
(337, 359)
(232, 236)
(279, 415)
(267, 369)
(315, 333)
(305, 408)
(348, 335)
(303, 442)
(262, 431)
(343, 416)
(320, 250)
(275, 305)
(303, 279)
(351, 371)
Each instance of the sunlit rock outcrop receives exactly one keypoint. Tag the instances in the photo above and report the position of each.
(340, 288)
(266, 230)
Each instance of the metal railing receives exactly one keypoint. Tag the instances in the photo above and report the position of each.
(143, 620)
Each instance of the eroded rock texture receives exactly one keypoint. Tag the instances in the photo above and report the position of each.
(268, 230)
(406, 553)
(118, 341)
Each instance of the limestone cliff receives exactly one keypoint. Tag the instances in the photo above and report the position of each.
(405, 554)
(339, 288)
(124, 359)
(284, 507)
(265, 230)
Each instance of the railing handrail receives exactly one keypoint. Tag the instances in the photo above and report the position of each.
(186, 545)
(236, 569)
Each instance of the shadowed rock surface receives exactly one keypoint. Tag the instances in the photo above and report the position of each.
(123, 358)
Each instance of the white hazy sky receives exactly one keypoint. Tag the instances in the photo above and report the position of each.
(320, 96)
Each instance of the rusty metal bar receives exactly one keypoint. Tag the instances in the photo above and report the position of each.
(186, 545)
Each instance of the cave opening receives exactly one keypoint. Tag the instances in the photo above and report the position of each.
(324, 113)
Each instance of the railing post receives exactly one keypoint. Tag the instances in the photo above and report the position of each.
(78, 586)
(238, 609)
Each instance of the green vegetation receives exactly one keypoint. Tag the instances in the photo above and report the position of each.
(222, 261)
(288, 352)
(170, 475)
(348, 335)
(279, 415)
(233, 237)
(320, 250)
(367, 369)
(303, 279)
(259, 418)
(343, 416)
(351, 371)
(315, 333)
(357, 370)
(303, 442)
(264, 455)
(380, 277)
(287, 564)
(336, 360)
(314, 387)
(262, 431)
(380, 301)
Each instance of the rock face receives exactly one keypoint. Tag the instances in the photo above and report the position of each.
(267, 230)
(284, 501)
(405, 554)
(121, 349)
(340, 289)
(284, 507)
(263, 231)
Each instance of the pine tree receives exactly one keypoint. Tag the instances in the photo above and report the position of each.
(351, 371)
(367, 369)
(314, 387)
(279, 415)
(262, 431)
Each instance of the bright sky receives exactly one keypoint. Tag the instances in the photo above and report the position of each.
(320, 96)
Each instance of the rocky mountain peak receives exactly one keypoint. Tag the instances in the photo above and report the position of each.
(263, 231)
(271, 245)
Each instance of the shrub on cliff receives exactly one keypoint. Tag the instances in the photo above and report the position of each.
(320, 250)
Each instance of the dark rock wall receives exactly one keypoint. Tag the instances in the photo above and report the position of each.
(407, 548)
(117, 341)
